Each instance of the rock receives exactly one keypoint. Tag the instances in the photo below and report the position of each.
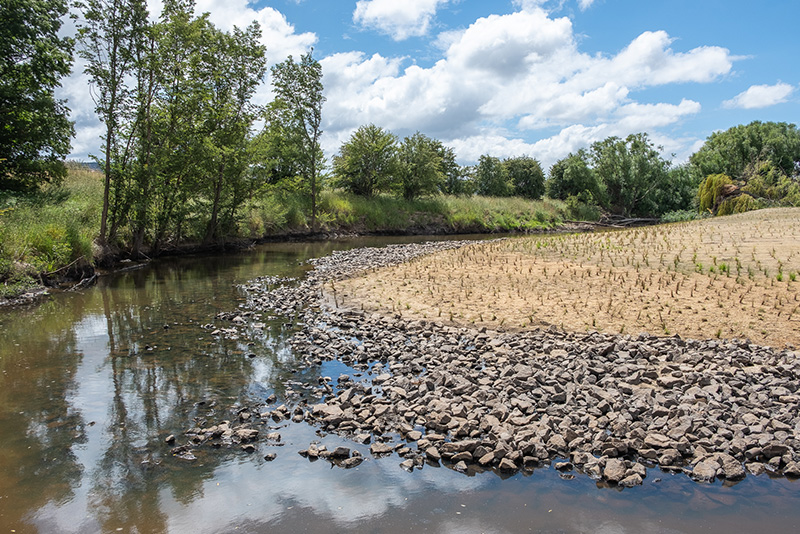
(270, 456)
(507, 465)
(705, 471)
(249, 448)
(170, 439)
(461, 466)
(247, 434)
(432, 454)
(563, 466)
(631, 481)
(792, 469)
(362, 438)
(407, 465)
(340, 452)
(615, 470)
(381, 448)
(465, 456)
(351, 462)
(774, 449)
(414, 435)
(657, 441)
(732, 469)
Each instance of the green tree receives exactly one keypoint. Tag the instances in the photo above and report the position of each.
(491, 178)
(366, 163)
(35, 133)
(231, 67)
(109, 31)
(526, 176)
(419, 166)
(455, 176)
(298, 90)
(632, 172)
(572, 176)
(740, 150)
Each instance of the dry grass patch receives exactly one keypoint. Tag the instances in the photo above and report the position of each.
(728, 277)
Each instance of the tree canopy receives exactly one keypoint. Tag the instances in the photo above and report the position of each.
(366, 163)
(35, 134)
(298, 95)
(739, 151)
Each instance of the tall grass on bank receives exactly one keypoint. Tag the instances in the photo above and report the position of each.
(44, 231)
(280, 212)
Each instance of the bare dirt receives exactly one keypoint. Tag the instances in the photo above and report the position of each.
(727, 277)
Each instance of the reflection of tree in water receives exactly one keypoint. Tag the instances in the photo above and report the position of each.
(39, 427)
(165, 380)
(160, 380)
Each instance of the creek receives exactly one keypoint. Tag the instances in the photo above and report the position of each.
(92, 383)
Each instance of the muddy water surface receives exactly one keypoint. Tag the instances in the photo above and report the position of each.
(91, 383)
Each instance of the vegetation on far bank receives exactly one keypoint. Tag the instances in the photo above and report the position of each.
(48, 230)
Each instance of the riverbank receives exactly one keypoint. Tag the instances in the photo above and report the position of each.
(47, 237)
(613, 407)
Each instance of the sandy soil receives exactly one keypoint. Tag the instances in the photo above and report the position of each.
(727, 277)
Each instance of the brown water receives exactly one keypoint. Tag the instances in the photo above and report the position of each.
(92, 383)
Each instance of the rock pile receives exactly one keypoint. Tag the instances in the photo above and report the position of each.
(612, 405)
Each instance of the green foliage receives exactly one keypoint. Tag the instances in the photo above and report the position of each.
(418, 167)
(366, 163)
(572, 176)
(710, 193)
(735, 150)
(526, 176)
(298, 90)
(633, 174)
(35, 133)
(175, 98)
(739, 204)
(491, 178)
(680, 216)
(455, 176)
(45, 230)
(767, 182)
(582, 207)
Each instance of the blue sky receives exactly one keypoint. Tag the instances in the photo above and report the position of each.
(535, 77)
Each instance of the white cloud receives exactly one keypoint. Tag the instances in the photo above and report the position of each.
(585, 4)
(507, 76)
(400, 20)
(761, 96)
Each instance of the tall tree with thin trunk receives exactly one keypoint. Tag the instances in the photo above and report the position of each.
(108, 30)
(298, 95)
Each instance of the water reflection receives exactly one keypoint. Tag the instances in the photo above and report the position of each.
(93, 382)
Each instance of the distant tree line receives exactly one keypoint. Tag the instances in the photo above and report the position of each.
(184, 146)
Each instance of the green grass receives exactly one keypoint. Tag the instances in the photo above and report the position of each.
(47, 230)
(280, 212)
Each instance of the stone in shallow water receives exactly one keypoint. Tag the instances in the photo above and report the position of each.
(615, 470)
(705, 471)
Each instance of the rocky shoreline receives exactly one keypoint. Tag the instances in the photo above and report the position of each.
(608, 406)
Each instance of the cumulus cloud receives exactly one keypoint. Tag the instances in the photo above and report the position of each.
(761, 96)
(507, 76)
(400, 20)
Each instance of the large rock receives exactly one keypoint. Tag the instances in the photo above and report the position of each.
(705, 471)
(615, 470)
